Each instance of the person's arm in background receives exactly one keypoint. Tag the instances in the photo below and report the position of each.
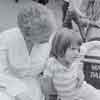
(76, 7)
(81, 12)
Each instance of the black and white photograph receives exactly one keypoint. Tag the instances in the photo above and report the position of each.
(49, 49)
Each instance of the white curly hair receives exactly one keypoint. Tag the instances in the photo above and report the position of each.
(37, 20)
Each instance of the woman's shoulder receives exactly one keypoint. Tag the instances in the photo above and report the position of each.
(9, 31)
(8, 34)
(5, 38)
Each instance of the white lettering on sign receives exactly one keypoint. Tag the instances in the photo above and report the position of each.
(95, 67)
(95, 75)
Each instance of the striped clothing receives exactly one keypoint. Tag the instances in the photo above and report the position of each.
(65, 80)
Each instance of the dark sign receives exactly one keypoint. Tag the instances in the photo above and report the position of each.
(92, 74)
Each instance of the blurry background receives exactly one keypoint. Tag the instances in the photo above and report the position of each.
(9, 10)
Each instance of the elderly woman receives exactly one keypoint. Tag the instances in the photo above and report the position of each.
(23, 52)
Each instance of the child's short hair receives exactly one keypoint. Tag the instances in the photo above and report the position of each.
(63, 40)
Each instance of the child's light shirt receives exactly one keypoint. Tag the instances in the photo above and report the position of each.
(64, 79)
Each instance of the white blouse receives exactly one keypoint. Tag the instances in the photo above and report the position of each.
(16, 62)
(14, 53)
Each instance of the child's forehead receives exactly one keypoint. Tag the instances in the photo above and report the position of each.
(76, 42)
(76, 38)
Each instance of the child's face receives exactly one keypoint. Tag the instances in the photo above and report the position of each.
(72, 53)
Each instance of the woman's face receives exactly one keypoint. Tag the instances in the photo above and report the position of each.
(35, 31)
(33, 35)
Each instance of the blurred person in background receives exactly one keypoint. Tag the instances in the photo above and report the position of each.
(92, 10)
(71, 12)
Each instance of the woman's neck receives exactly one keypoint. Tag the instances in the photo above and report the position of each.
(29, 45)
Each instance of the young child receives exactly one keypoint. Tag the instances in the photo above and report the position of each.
(65, 69)
(67, 76)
